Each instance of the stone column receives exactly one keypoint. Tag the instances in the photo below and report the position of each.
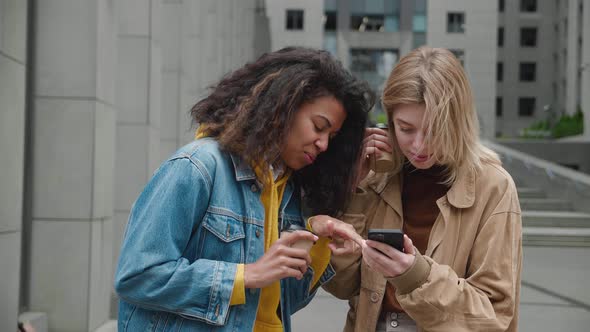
(13, 62)
(204, 52)
(73, 139)
(573, 63)
(172, 45)
(585, 63)
(138, 101)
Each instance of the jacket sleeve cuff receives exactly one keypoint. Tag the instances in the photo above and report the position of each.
(414, 277)
(238, 295)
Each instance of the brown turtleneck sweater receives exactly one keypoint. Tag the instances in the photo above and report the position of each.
(420, 190)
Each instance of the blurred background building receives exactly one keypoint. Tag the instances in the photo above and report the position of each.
(94, 94)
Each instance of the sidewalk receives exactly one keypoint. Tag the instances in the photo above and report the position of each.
(555, 295)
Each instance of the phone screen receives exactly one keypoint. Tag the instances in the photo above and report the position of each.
(391, 237)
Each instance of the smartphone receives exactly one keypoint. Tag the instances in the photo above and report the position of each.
(391, 237)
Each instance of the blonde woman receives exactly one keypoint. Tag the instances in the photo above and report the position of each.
(459, 210)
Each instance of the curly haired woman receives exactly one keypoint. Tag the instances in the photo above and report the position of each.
(202, 250)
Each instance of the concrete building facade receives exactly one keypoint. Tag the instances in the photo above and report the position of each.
(541, 71)
(93, 96)
(13, 72)
(467, 28)
(295, 23)
(369, 37)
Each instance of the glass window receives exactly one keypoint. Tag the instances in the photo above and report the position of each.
(374, 15)
(420, 6)
(526, 106)
(419, 23)
(367, 22)
(528, 6)
(357, 7)
(330, 21)
(499, 71)
(528, 37)
(419, 39)
(456, 22)
(501, 37)
(459, 54)
(373, 66)
(499, 110)
(331, 43)
(330, 5)
(501, 6)
(374, 7)
(294, 19)
(392, 23)
(528, 71)
(391, 7)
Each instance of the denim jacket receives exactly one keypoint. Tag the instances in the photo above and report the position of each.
(197, 218)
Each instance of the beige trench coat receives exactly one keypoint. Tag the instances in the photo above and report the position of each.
(469, 277)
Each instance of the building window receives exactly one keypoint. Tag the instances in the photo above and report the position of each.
(528, 71)
(294, 19)
(529, 6)
(499, 71)
(500, 36)
(501, 6)
(330, 21)
(373, 66)
(526, 106)
(374, 15)
(528, 37)
(456, 22)
(368, 23)
(459, 54)
(499, 110)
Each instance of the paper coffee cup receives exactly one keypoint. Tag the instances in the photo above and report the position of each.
(383, 163)
(302, 243)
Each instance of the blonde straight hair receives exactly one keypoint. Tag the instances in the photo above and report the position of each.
(434, 77)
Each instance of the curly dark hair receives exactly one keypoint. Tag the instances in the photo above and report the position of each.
(251, 110)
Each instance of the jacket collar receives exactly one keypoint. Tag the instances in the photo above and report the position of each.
(242, 168)
(461, 194)
(388, 186)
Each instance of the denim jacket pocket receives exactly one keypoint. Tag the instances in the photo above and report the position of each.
(223, 239)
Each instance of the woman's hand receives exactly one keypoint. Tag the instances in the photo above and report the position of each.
(387, 260)
(345, 240)
(376, 141)
(279, 262)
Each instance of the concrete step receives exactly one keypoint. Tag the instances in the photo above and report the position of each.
(545, 204)
(528, 192)
(555, 237)
(532, 218)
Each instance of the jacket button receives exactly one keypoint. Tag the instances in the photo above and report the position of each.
(254, 188)
(257, 233)
(374, 297)
(394, 323)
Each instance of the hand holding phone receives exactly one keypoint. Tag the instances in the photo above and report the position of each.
(391, 237)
